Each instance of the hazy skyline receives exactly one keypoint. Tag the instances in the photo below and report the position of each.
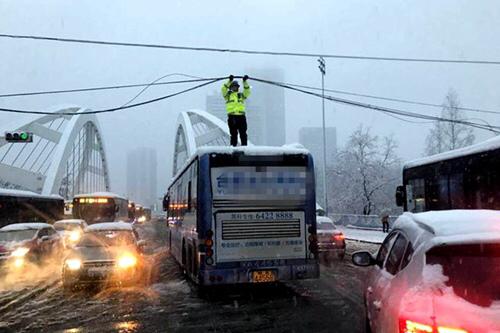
(418, 29)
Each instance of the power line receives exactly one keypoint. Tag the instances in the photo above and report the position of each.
(200, 79)
(254, 52)
(385, 110)
(495, 129)
(124, 107)
(343, 92)
(49, 92)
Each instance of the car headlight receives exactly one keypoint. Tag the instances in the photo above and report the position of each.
(74, 236)
(142, 219)
(74, 264)
(20, 252)
(127, 260)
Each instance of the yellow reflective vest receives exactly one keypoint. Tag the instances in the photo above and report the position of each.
(235, 101)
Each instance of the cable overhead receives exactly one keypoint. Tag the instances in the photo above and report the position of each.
(200, 79)
(49, 92)
(124, 107)
(495, 129)
(399, 100)
(254, 52)
(385, 110)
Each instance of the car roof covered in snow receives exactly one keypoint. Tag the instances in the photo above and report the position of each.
(100, 194)
(22, 193)
(491, 144)
(69, 221)
(25, 226)
(109, 226)
(323, 219)
(456, 225)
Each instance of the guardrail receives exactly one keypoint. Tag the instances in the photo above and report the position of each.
(360, 221)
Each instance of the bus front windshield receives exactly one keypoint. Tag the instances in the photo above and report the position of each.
(95, 212)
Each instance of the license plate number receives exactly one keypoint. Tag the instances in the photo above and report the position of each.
(263, 276)
(97, 271)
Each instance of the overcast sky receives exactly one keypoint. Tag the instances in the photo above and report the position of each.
(418, 29)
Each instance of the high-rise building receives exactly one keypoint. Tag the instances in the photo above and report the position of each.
(141, 176)
(312, 139)
(265, 108)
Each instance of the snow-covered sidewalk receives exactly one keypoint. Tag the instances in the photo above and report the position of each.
(363, 235)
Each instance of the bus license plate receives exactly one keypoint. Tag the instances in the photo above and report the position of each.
(263, 276)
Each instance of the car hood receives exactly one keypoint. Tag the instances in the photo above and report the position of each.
(9, 246)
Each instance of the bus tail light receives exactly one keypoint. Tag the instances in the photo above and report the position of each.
(209, 243)
(313, 243)
(410, 326)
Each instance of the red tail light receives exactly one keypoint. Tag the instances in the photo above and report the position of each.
(410, 326)
(338, 237)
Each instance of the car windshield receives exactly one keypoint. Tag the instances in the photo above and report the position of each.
(326, 226)
(17, 235)
(62, 226)
(481, 287)
(107, 238)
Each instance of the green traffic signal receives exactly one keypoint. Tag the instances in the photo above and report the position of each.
(24, 136)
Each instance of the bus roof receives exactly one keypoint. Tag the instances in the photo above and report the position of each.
(100, 194)
(292, 149)
(490, 144)
(21, 193)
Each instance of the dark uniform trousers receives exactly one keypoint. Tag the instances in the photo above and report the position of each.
(237, 124)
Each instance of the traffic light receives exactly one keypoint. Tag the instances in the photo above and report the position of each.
(19, 136)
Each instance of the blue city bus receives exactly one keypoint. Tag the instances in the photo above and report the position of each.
(244, 215)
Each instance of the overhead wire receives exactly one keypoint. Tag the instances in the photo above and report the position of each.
(495, 129)
(385, 110)
(201, 79)
(244, 51)
(124, 107)
(65, 91)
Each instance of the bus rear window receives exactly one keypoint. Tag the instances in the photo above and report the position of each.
(259, 183)
(473, 270)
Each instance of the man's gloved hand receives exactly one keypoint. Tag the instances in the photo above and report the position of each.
(231, 77)
(245, 78)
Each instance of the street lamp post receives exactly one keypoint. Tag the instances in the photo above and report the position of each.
(322, 68)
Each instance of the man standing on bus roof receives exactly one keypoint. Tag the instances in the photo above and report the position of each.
(235, 107)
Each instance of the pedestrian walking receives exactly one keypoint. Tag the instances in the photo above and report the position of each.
(235, 107)
(385, 223)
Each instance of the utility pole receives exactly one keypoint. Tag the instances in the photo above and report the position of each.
(322, 68)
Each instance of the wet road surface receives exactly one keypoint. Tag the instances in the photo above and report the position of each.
(169, 303)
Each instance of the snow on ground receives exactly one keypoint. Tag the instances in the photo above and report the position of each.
(363, 235)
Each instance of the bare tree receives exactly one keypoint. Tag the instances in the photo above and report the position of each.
(446, 136)
(365, 174)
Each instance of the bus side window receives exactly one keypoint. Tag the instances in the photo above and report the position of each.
(418, 194)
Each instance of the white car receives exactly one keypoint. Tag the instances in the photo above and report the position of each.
(436, 272)
(70, 230)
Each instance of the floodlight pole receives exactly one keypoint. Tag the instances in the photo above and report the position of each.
(322, 68)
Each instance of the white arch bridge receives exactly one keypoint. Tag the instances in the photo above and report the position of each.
(66, 157)
(194, 129)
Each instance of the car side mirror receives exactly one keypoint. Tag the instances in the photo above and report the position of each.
(165, 203)
(45, 238)
(363, 259)
(141, 244)
(400, 196)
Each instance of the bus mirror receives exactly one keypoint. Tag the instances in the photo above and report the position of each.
(117, 208)
(400, 196)
(165, 203)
